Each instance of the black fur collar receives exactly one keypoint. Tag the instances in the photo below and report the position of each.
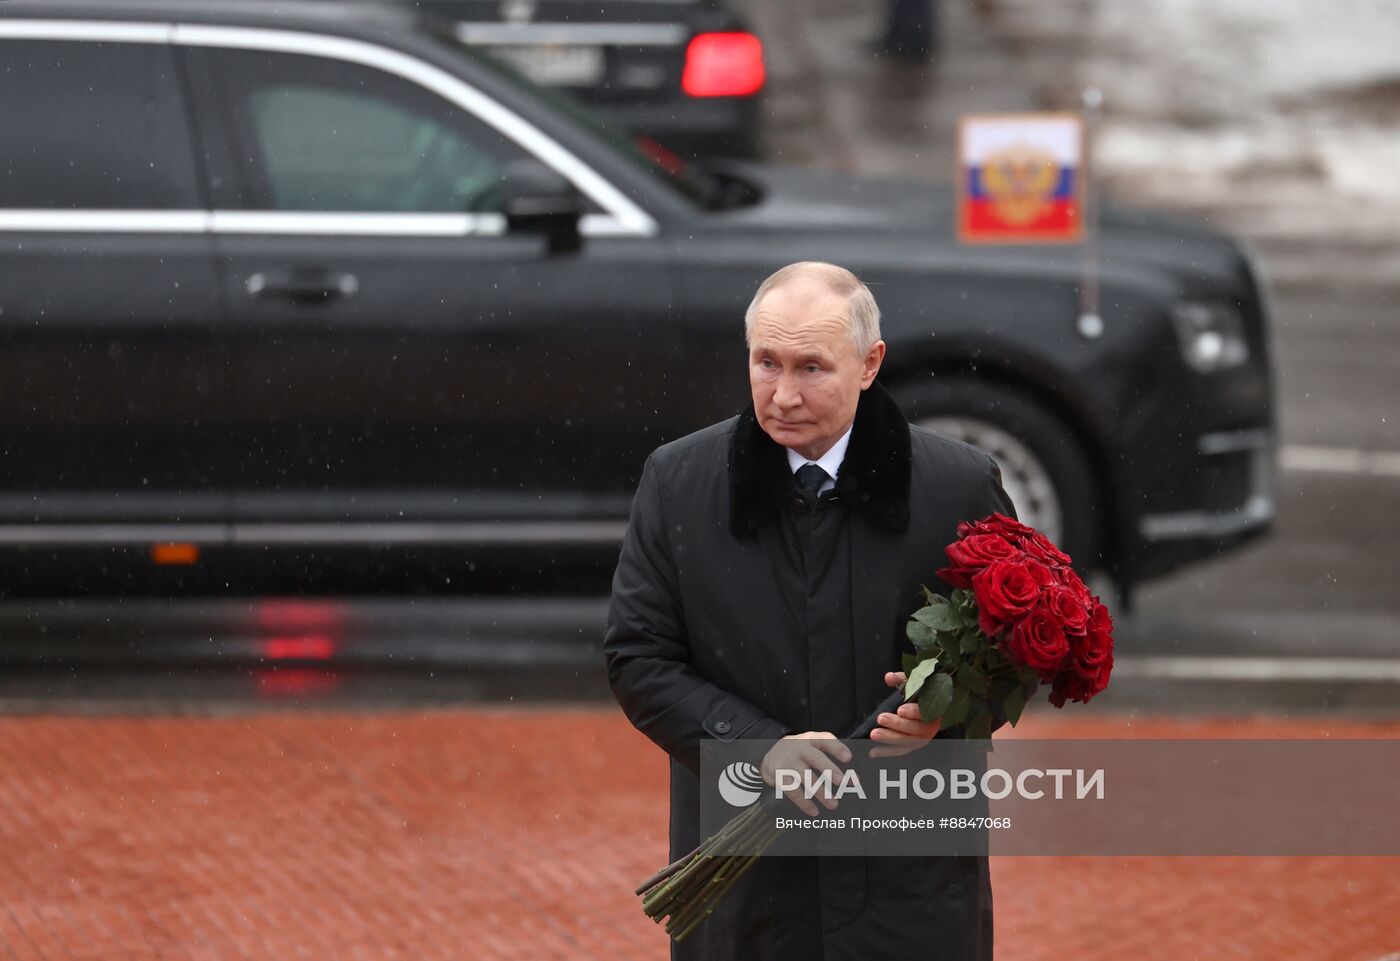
(873, 481)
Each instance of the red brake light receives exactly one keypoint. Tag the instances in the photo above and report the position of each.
(300, 647)
(723, 65)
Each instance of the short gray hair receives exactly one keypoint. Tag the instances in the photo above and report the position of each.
(862, 313)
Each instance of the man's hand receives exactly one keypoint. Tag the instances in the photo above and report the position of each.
(903, 732)
(812, 751)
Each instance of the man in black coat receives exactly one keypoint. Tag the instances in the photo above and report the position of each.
(769, 567)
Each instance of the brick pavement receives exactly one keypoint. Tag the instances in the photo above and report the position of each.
(477, 834)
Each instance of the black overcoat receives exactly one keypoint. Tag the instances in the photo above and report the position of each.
(698, 645)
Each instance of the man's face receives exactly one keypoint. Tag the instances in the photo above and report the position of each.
(805, 373)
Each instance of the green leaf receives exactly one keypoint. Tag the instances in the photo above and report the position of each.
(918, 676)
(907, 662)
(972, 679)
(939, 616)
(935, 697)
(980, 726)
(1013, 705)
(967, 608)
(923, 637)
(957, 707)
(1000, 686)
(971, 641)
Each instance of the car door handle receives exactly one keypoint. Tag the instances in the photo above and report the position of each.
(302, 285)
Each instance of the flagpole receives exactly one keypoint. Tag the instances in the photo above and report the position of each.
(1090, 320)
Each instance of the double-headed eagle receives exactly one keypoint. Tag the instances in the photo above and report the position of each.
(1021, 180)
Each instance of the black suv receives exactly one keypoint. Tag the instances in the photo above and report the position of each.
(302, 288)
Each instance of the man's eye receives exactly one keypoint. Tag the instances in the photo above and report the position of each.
(812, 368)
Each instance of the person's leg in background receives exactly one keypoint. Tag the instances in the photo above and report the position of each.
(910, 30)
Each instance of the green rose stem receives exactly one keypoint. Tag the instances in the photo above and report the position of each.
(693, 868)
(688, 890)
(730, 830)
(741, 864)
(731, 868)
(694, 886)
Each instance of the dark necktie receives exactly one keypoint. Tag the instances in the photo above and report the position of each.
(810, 479)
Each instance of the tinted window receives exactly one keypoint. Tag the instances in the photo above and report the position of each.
(92, 126)
(691, 180)
(323, 135)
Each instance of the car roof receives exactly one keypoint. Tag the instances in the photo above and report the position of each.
(396, 25)
(289, 14)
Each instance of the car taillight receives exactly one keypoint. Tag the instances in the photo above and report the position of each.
(723, 65)
(303, 647)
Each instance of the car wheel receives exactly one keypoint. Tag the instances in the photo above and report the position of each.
(1043, 468)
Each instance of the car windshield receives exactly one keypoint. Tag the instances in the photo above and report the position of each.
(688, 179)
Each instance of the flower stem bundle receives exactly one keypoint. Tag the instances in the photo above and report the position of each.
(691, 888)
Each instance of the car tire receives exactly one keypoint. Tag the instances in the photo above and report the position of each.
(1044, 469)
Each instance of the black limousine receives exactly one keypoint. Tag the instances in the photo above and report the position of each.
(310, 291)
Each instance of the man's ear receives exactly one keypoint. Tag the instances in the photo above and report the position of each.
(873, 359)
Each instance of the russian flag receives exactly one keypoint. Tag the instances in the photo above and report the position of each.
(1020, 178)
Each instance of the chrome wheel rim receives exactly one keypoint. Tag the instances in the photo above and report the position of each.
(1023, 474)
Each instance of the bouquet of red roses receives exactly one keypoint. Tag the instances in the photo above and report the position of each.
(1018, 616)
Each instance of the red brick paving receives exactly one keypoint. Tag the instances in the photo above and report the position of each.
(480, 834)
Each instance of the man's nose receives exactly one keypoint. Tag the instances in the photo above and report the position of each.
(786, 394)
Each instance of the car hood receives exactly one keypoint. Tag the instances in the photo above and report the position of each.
(796, 198)
(921, 214)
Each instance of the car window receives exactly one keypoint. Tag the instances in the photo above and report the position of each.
(689, 180)
(322, 135)
(93, 126)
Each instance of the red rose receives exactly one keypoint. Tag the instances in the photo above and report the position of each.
(1004, 591)
(1074, 686)
(1007, 525)
(1096, 649)
(996, 524)
(1040, 547)
(1044, 576)
(1069, 686)
(1091, 653)
(1069, 610)
(973, 553)
(1072, 583)
(1105, 671)
(1100, 620)
(969, 528)
(1038, 642)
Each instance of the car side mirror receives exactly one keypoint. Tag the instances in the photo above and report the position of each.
(537, 199)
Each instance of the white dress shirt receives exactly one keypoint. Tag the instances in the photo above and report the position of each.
(830, 461)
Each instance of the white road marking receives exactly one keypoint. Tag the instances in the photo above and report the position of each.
(1340, 460)
(1385, 670)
